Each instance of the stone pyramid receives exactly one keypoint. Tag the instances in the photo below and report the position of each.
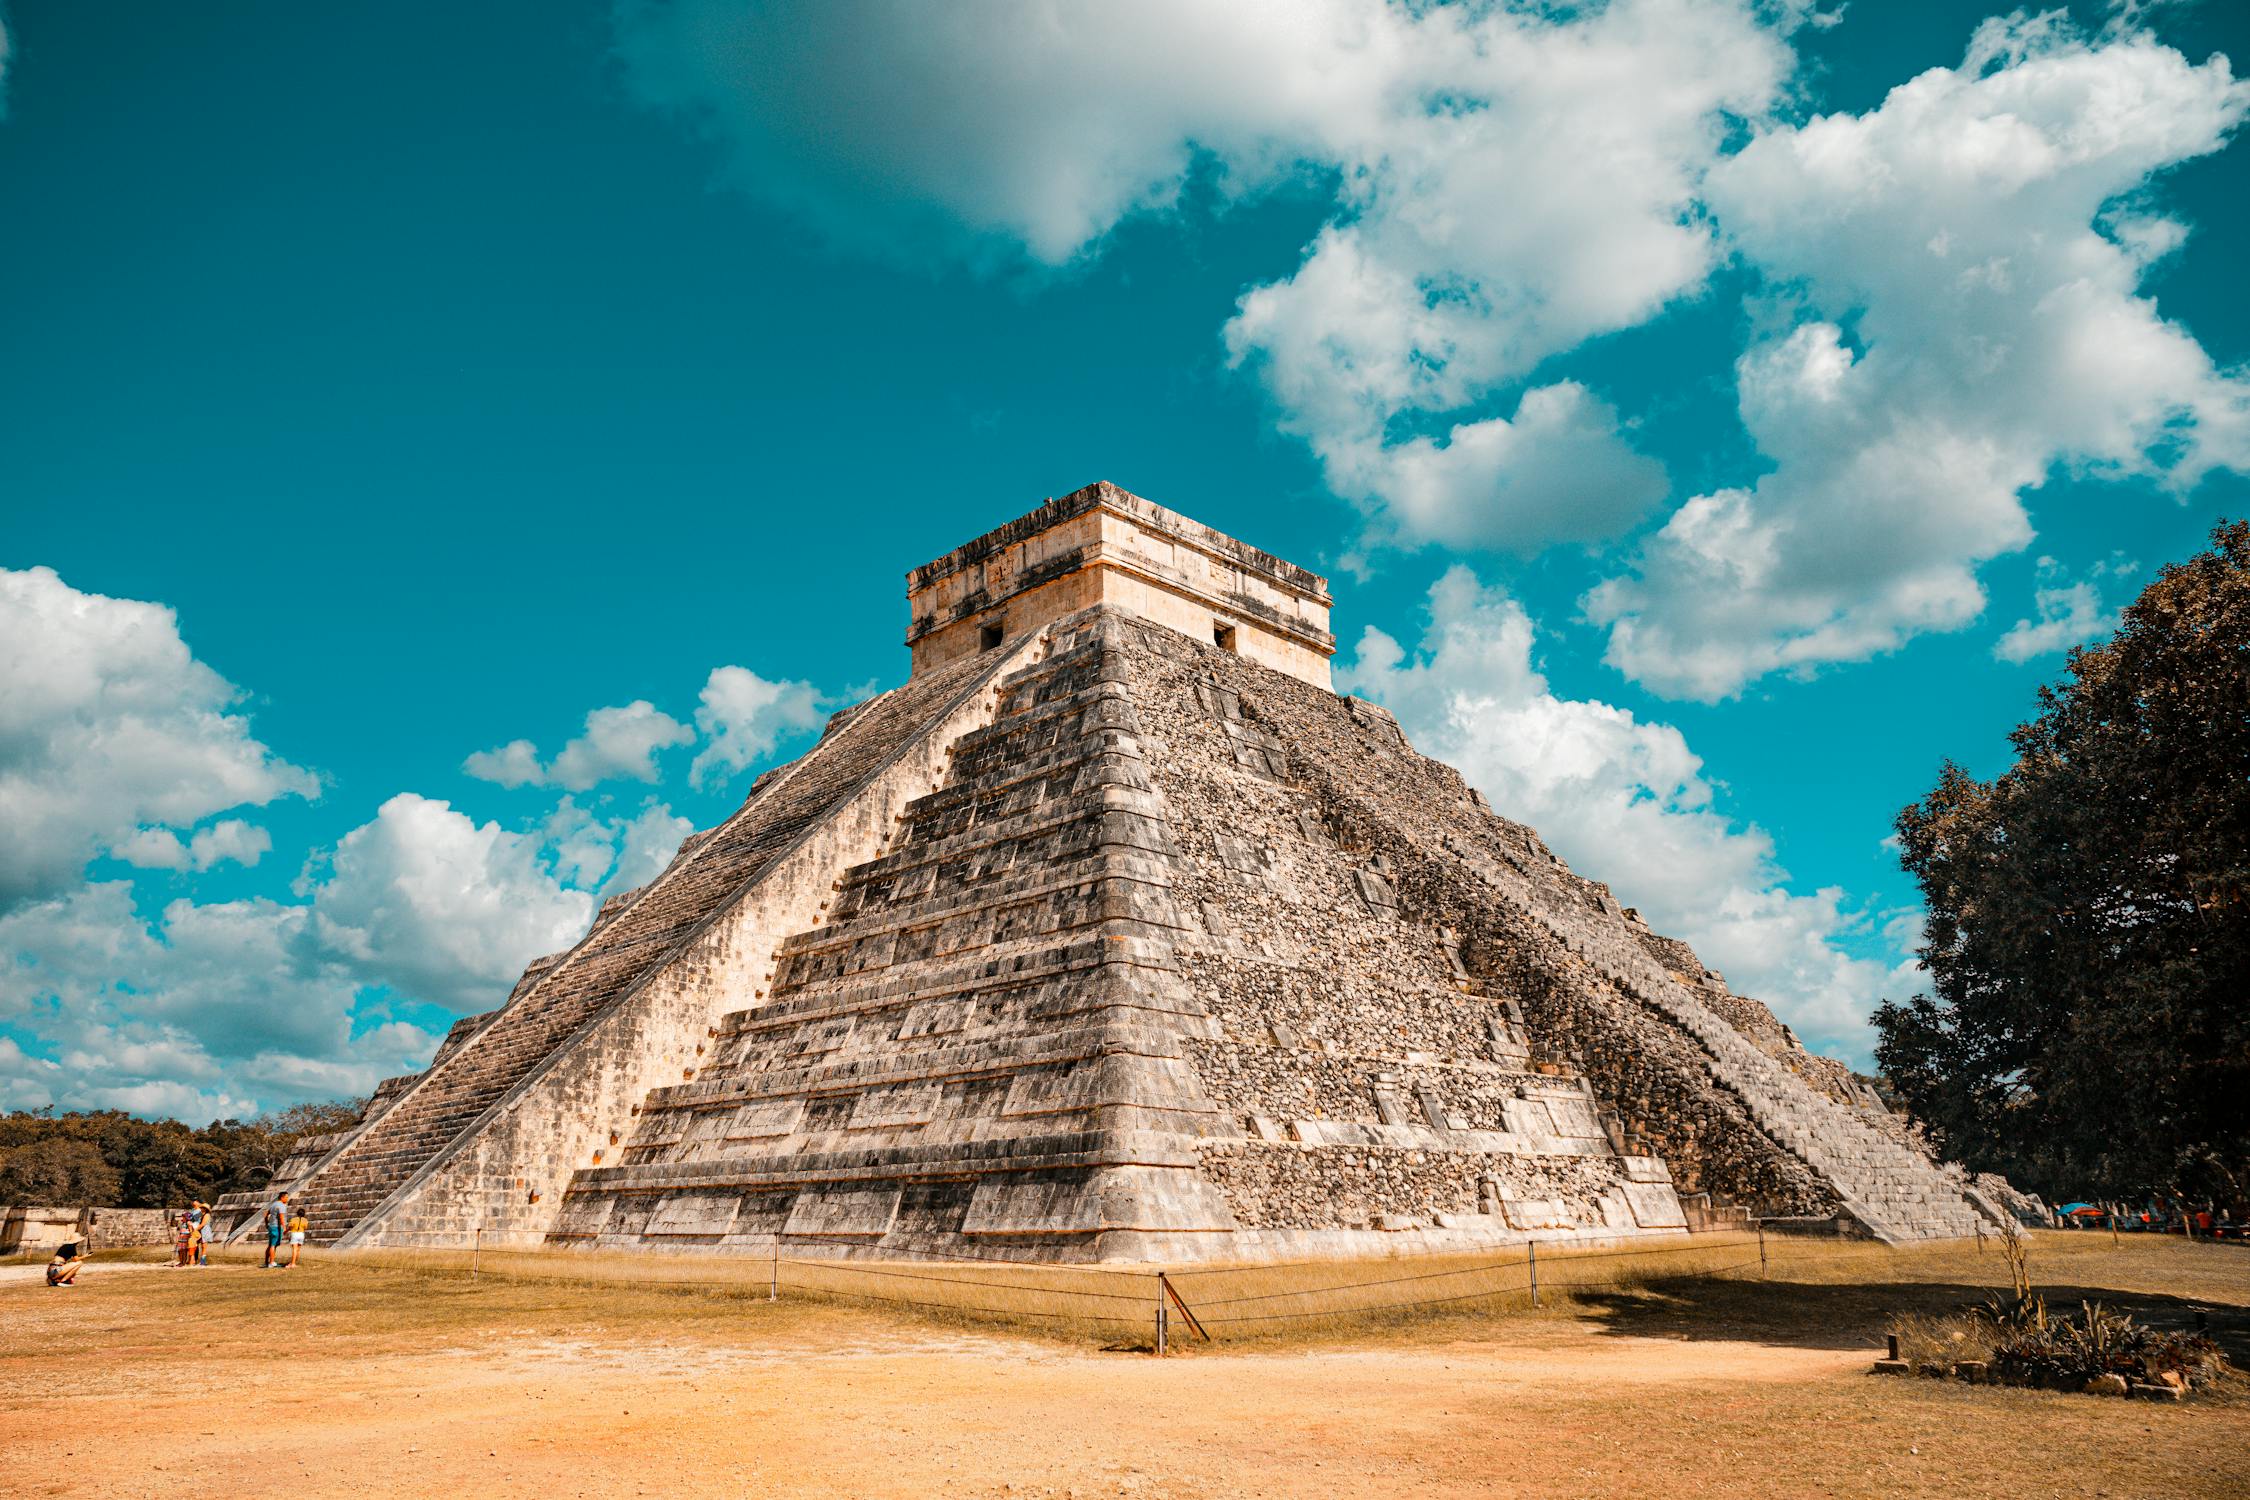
(1114, 933)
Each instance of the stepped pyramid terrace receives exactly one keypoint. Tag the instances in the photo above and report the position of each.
(1115, 934)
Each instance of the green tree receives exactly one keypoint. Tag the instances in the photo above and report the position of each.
(164, 1163)
(57, 1173)
(2089, 915)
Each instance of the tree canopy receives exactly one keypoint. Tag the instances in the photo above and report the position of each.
(2088, 941)
(110, 1159)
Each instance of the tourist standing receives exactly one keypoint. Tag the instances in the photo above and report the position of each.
(277, 1219)
(297, 1228)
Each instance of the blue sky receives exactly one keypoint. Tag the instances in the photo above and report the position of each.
(1694, 416)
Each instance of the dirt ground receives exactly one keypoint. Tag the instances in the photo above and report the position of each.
(349, 1379)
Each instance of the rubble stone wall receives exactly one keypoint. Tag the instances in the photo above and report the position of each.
(1376, 1090)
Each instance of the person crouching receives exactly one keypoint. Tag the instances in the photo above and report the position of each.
(63, 1269)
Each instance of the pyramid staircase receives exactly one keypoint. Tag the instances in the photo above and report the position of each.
(983, 1038)
(560, 999)
(1896, 1193)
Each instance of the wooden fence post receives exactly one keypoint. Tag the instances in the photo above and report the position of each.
(1163, 1314)
(476, 1253)
(773, 1286)
(1531, 1259)
(1761, 1245)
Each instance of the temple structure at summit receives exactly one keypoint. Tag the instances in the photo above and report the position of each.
(1113, 933)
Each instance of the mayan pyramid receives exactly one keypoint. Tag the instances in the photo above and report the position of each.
(1113, 934)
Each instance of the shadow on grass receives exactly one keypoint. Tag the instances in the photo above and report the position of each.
(1856, 1315)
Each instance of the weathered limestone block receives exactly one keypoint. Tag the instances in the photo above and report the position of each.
(852, 1212)
(1654, 1205)
(1537, 1213)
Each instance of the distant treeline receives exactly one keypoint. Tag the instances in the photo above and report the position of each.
(111, 1159)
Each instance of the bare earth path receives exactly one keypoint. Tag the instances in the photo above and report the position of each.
(347, 1379)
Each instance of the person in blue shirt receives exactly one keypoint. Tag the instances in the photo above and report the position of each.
(277, 1219)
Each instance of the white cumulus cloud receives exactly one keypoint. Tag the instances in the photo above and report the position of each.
(211, 1009)
(1530, 181)
(1625, 801)
(109, 728)
(618, 744)
(1559, 470)
(228, 841)
(1958, 312)
(2069, 612)
(744, 717)
(114, 738)
(1952, 304)
(607, 855)
(205, 1012)
(991, 129)
(427, 900)
(1510, 181)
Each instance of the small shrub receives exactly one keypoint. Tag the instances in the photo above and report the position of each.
(2021, 1345)
(2073, 1350)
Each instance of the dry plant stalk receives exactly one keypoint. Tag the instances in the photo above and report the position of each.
(2018, 1250)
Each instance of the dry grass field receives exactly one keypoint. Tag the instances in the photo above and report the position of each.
(565, 1376)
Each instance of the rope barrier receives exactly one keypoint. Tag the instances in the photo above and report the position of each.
(981, 1260)
(1348, 1286)
(1003, 1312)
(1510, 1271)
(1379, 1307)
(854, 1268)
(1565, 1256)
(1384, 1307)
(1707, 1271)
(1561, 1249)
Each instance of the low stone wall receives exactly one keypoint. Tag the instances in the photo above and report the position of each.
(123, 1228)
(34, 1230)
